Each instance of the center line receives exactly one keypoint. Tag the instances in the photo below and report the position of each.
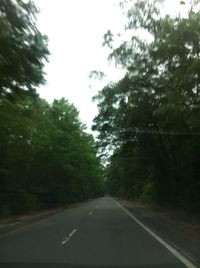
(73, 232)
(90, 213)
(67, 238)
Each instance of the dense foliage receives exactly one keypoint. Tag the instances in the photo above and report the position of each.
(23, 48)
(46, 157)
(149, 120)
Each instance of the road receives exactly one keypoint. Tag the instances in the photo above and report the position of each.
(99, 233)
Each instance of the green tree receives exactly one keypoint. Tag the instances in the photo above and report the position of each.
(23, 48)
(150, 117)
(47, 158)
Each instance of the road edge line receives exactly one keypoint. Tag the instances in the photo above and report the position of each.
(159, 239)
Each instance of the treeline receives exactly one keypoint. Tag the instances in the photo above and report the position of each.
(149, 120)
(46, 157)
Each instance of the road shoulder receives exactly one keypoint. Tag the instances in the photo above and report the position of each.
(12, 223)
(169, 228)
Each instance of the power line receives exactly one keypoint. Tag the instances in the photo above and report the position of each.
(174, 133)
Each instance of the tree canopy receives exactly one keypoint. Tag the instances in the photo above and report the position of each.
(23, 48)
(47, 158)
(149, 119)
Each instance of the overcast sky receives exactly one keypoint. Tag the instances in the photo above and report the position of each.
(75, 29)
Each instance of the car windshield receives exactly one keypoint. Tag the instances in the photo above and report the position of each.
(100, 133)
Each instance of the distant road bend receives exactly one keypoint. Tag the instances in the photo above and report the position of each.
(99, 233)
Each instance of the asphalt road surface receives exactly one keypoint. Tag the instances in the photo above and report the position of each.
(99, 233)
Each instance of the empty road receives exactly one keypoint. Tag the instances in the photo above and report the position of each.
(99, 233)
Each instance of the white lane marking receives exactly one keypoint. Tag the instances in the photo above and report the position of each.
(63, 242)
(166, 245)
(90, 213)
(73, 232)
(67, 238)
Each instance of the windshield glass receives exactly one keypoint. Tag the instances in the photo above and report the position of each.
(99, 133)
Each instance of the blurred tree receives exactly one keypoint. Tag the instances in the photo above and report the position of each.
(23, 49)
(46, 157)
(150, 117)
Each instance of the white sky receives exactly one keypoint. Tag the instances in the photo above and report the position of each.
(75, 29)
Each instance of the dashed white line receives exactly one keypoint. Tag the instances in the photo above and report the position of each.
(67, 238)
(90, 213)
(159, 239)
(73, 232)
(63, 242)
